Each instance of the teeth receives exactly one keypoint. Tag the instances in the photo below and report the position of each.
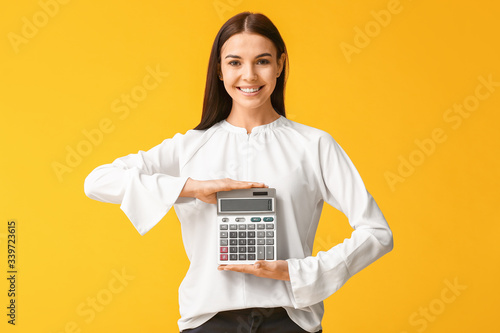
(250, 90)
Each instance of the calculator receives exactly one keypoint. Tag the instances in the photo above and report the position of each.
(246, 225)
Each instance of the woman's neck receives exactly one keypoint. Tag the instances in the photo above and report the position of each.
(250, 118)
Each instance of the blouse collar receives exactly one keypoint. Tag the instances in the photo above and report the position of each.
(257, 129)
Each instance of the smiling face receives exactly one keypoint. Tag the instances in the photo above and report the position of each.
(249, 69)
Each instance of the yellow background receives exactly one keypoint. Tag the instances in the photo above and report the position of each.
(376, 102)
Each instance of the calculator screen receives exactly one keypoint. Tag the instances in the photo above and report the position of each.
(248, 205)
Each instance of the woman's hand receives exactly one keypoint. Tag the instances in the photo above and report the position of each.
(269, 269)
(206, 190)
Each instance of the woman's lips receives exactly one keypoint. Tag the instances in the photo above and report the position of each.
(250, 90)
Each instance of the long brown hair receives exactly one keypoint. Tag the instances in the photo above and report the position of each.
(217, 103)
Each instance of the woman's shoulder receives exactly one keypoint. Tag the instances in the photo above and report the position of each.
(188, 142)
(308, 132)
(194, 135)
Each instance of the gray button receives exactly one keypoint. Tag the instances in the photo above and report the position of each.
(269, 226)
(233, 227)
(261, 226)
(261, 253)
(261, 234)
(269, 252)
(269, 241)
(251, 226)
(223, 242)
(242, 227)
(223, 227)
(223, 234)
(261, 241)
(240, 219)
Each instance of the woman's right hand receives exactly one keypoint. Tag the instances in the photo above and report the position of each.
(206, 190)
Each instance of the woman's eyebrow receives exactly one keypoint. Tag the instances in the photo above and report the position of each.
(260, 55)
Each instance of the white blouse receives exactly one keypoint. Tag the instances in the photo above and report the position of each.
(305, 165)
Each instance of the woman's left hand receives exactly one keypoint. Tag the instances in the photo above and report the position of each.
(269, 269)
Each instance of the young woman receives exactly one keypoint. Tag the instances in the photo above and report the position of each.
(244, 140)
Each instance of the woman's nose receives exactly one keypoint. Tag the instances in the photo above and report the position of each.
(249, 73)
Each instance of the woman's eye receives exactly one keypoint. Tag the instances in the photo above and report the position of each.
(260, 61)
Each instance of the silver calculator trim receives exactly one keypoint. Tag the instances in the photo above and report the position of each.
(245, 194)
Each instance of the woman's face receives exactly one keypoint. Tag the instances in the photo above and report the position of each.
(249, 69)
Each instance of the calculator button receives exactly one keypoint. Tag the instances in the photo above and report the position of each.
(251, 242)
(251, 249)
(225, 219)
(269, 234)
(223, 257)
(223, 227)
(223, 242)
(269, 226)
(261, 234)
(240, 219)
(233, 249)
(223, 234)
(242, 256)
(268, 219)
(223, 249)
(261, 226)
(251, 256)
(242, 227)
(251, 234)
(233, 227)
(233, 257)
(242, 249)
(269, 252)
(233, 242)
(269, 241)
(232, 234)
(251, 226)
(261, 255)
(255, 219)
(242, 242)
(242, 234)
(261, 241)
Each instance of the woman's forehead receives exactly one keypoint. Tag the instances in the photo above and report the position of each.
(248, 44)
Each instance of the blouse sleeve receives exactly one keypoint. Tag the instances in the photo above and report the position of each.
(146, 184)
(315, 278)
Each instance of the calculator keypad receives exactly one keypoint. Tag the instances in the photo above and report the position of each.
(245, 240)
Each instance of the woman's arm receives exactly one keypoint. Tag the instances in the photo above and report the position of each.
(315, 278)
(147, 184)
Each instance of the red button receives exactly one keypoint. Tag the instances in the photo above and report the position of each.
(223, 257)
(223, 249)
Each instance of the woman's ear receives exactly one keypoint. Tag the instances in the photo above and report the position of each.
(219, 72)
(281, 63)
